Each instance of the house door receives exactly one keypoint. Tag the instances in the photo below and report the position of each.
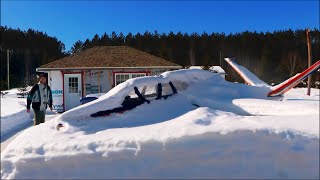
(72, 90)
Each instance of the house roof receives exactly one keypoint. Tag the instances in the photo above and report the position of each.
(109, 57)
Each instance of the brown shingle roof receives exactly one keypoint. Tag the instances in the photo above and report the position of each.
(109, 56)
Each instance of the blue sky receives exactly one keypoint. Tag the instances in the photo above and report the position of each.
(70, 21)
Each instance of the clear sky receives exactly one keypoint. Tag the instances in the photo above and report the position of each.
(70, 21)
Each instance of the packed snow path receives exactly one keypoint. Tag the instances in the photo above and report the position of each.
(14, 117)
(12, 134)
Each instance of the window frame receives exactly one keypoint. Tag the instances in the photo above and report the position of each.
(128, 73)
(73, 85)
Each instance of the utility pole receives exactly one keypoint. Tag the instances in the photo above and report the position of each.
(8, 68)
(309, 61)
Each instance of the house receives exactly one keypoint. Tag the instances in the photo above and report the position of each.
(213, 69)
(97, 70)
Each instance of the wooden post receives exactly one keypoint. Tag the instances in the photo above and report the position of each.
(309, 61)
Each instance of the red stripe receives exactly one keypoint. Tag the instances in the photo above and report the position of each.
(292, 81)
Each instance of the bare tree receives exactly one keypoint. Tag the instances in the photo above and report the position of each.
(291, 61)
(28, 62)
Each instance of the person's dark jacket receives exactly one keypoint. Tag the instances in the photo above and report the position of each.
(34, 97)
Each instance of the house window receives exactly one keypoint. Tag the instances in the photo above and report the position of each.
(73, 85)
(158, 72)
(138, 75)
(122, 77)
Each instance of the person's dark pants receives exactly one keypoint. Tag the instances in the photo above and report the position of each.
(39, 117)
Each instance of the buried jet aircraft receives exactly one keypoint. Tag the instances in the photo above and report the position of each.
(194, 84)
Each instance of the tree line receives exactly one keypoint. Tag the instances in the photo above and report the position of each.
(27, 51)
(273, 56)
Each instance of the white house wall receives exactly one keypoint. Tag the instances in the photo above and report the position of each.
(95, 79)
(56, 83)
(149, 72)
(90, 82)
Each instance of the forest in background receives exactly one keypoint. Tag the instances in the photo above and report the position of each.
(272, 56)
(27, 51)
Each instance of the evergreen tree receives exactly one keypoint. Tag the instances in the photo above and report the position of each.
(273, 56)
(77, 47)
(28, 50)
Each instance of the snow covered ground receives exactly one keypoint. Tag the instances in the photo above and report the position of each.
(13, 112)
(235, 133)
(14, 117)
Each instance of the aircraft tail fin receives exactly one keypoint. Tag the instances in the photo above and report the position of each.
(279, 89)
(293, 81)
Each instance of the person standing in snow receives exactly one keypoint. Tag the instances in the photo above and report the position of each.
(40, 96)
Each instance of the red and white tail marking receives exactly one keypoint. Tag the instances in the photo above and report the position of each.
(281, 88)
(293, 81)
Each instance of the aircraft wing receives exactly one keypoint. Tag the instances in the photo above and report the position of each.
(246, 75)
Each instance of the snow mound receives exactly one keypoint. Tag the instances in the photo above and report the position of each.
(210, 128)
(180, 78)
(199, 86)
(13, 112)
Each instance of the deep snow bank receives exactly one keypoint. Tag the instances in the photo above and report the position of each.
(13, 120)
(236, 155)
(199, 86)
(137, 145)
(114, 98)
(167, 137)
(13, 112)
